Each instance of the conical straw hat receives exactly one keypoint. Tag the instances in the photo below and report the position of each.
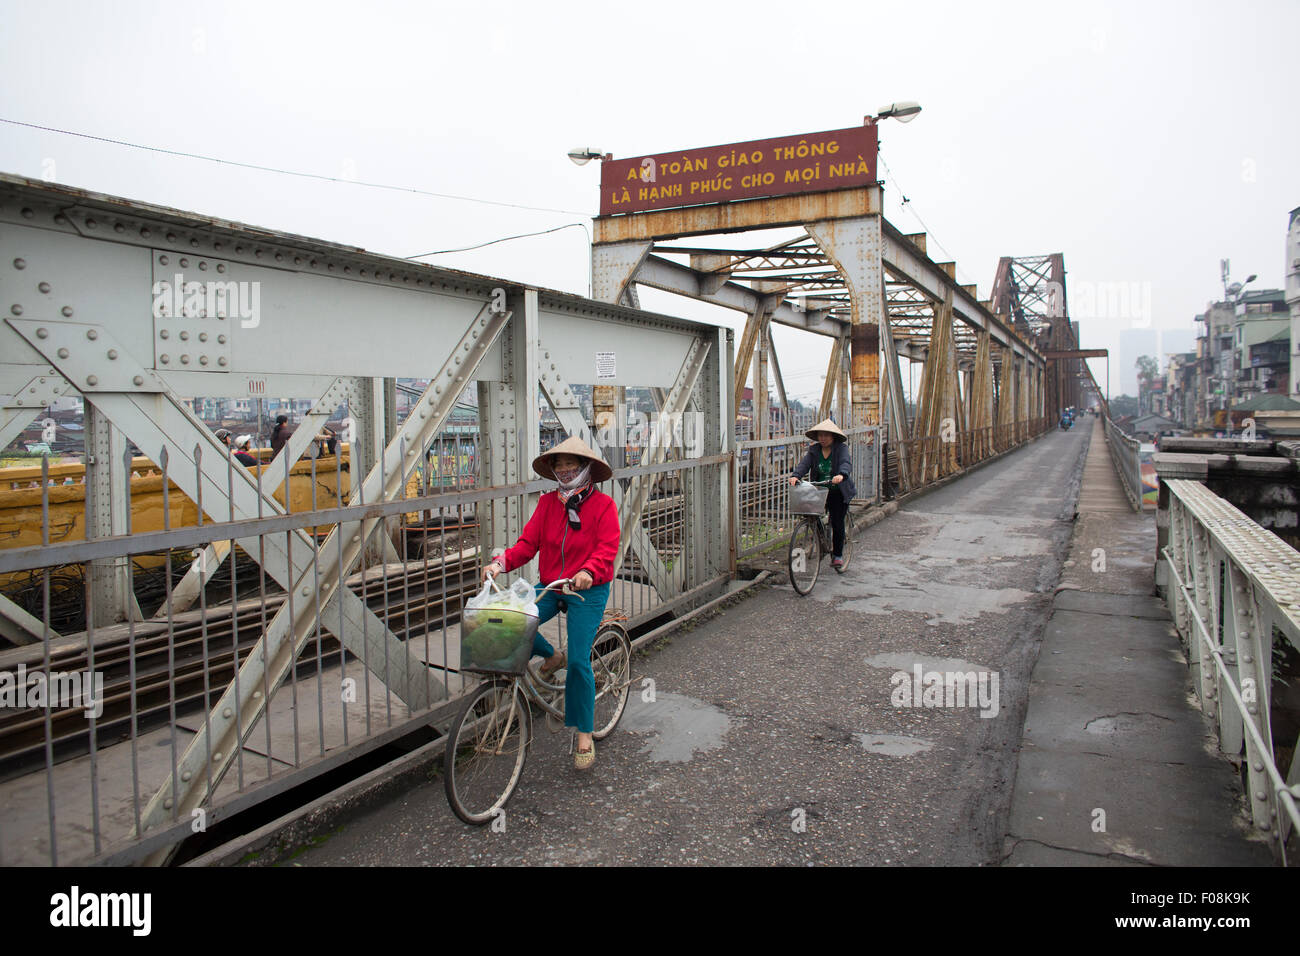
(826, 425)
(575, 446)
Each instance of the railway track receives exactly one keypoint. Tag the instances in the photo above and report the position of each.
(208, 644)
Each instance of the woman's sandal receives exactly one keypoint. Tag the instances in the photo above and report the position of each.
(583, 759)
(547, 670)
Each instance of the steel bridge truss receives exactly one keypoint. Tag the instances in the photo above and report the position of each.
(89, 311)
(1031, 290)
(854, 278)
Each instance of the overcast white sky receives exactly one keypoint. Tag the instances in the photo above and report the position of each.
(1146, 141)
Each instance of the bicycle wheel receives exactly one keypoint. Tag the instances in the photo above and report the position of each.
(486, 749)
(805, 556)
(847, 553)
(611, 665)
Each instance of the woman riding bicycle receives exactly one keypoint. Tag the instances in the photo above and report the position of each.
(828, 460)
(576, 530)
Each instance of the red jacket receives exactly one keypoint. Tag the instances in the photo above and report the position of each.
(591, 548)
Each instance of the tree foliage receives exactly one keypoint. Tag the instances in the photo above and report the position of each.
(1148, 368)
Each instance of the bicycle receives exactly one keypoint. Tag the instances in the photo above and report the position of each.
(488, 742)
(810, 541)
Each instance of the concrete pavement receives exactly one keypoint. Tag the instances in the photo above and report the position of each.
(1117, 764)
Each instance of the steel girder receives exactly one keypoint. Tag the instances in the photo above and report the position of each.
(638, 490)
(939, 399)
(668, 276)
(205, 566)
(750, 340)
(29, 400)
(509, 448)
(152, 416)
(616, 268)
(565, 404)
(613, 270)
(108, 474)
(907, 262)
(854, 246)
(981, 397)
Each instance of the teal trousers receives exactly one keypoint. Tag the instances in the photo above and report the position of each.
(585, 609)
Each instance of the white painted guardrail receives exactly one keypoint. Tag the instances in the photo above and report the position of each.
(1225, 568)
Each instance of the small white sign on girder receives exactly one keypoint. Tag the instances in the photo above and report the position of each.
(605, 366)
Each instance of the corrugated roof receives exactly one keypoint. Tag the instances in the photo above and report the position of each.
(1268, 402)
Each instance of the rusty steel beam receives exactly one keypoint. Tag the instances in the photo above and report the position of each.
(767, 213)
(1060, 354)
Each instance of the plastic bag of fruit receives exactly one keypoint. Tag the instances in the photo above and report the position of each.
(497, 627)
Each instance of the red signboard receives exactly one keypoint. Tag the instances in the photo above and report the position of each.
(813, 162)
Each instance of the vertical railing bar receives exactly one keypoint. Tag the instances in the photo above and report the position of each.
(424, 459)
(404, 476)
(341, 586)
(203, 624)
(88, 589)
(261, 587)
(382, 528)
(45, 619)
(357, 485)
(171, 634)
(315, 565)
(130, 643)
(442, 544)
(293, 620)
(234, 623)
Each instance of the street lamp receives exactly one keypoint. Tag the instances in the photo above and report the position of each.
(1237, 288)
(904, 111)
(582, 155)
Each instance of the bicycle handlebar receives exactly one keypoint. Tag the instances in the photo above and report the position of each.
(560, 584)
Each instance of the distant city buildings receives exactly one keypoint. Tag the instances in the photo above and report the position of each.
(1242, 364)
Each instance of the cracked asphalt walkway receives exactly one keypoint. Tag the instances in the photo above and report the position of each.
(1118, 766)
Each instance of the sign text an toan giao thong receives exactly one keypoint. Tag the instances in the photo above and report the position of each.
(813, 162)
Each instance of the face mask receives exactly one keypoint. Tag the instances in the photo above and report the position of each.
(573, 478)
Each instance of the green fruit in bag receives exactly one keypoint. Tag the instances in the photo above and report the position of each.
(493, 633)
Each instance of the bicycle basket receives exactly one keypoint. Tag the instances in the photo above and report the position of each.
(496, 640)
(807, 499)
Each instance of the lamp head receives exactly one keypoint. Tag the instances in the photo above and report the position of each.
(581, 155)
(904, 111)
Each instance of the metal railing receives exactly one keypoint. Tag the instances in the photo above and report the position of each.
(932, 457)
(98, 767)
(1126, 452)
(1235, 585)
